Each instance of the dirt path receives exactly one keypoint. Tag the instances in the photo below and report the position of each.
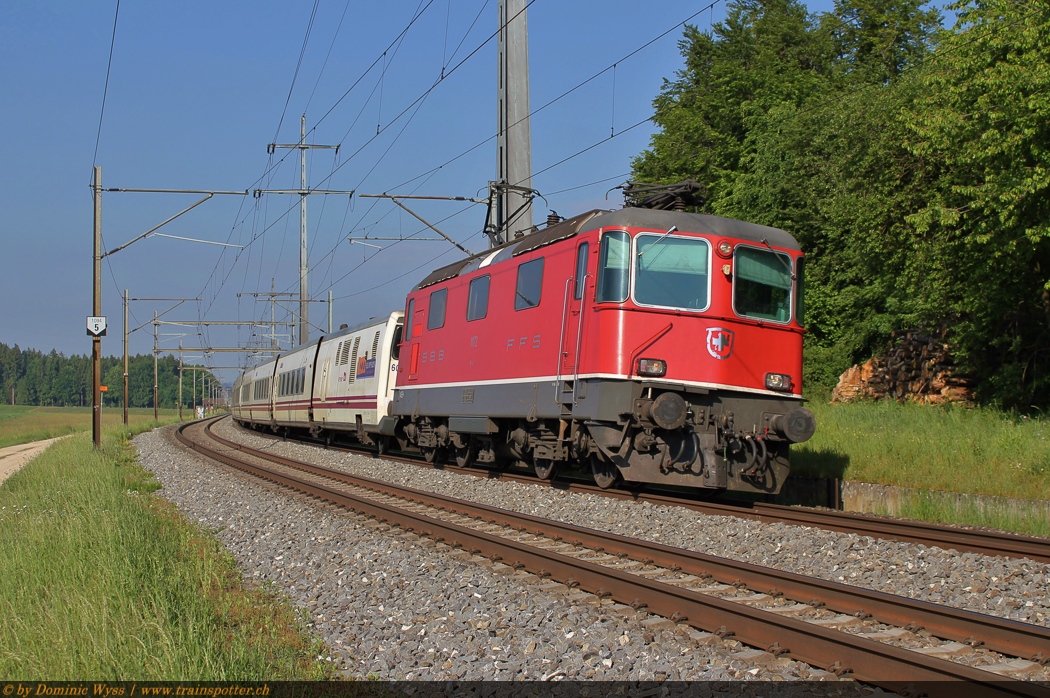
(13, 458)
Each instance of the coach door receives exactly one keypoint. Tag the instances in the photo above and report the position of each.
(323, 392)
(571, 331)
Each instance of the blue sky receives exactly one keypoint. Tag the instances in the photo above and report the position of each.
(196, 92)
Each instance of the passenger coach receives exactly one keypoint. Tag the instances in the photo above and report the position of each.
(342, 382)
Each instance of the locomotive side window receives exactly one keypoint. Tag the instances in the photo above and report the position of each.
(762, 284)
(408, 318)
(436, 318)
(800, 296)
(672, 272)
(613, 270)
(478, 300)
(530, 283)
(581, 271)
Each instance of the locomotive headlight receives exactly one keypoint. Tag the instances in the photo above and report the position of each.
(778, 381)
(725, 248)
(652, 367)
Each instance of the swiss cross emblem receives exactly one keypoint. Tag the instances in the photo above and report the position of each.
(719, 342)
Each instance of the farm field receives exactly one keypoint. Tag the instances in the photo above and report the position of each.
(24, 423)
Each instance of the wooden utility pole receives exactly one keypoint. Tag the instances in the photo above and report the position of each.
(96, 311)
(125, 357)
(156, 409)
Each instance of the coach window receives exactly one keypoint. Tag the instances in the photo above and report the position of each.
(581, 271)
(478, 298)
(530, 283)
(436, 316)
(762, 284)
(613, 269)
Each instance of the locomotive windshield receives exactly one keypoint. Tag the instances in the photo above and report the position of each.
(762, 284)
(614, 273)
(671, 272)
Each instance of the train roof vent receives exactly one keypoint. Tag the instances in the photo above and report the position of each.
(554, 233)
(444, 273)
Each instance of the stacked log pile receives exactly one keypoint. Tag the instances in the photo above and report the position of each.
(917, 367)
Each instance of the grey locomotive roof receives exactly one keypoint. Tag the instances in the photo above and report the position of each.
(703, 223)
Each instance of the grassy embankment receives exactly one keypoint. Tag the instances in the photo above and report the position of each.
(101, 580)
(21, 424)
(953, 449)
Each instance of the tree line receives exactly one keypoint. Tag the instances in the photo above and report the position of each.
(31, 377)
(911, 161)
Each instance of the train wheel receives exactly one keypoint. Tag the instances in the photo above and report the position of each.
(465, 456)
(605, 473)
(430, 454)
(545, 468)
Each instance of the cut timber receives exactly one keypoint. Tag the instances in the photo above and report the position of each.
(916, 367)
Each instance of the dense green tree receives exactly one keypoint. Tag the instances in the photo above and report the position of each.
(984, 118)
(915, 178)
(875, 41)
(765, 53)
(56, 380)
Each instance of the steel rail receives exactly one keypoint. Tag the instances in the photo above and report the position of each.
(998, 634)
(871, 661)
(992, 543)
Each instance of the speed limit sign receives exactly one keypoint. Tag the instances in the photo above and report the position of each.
(96, 326)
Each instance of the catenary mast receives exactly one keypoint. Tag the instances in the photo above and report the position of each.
(512, 193)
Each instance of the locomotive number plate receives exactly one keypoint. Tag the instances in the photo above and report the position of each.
(468, 396)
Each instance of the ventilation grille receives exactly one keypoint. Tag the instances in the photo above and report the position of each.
(353, 359)
(375, 346)
(344, 353)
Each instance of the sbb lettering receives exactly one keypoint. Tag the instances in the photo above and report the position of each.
(523, 342)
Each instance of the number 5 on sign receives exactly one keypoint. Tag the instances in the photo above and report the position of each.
(96, 326)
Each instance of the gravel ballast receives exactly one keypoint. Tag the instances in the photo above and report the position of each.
(998, 586)
(389, 605)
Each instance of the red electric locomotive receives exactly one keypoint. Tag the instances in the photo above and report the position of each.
(649, 345)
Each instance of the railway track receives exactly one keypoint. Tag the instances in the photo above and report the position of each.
(964, 540)
(877, 638)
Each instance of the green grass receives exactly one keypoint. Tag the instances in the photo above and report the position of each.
(936, 507)
(101, 580)
(21, 424)
(979, 451)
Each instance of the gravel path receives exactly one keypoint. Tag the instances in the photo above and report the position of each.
(396, 607)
